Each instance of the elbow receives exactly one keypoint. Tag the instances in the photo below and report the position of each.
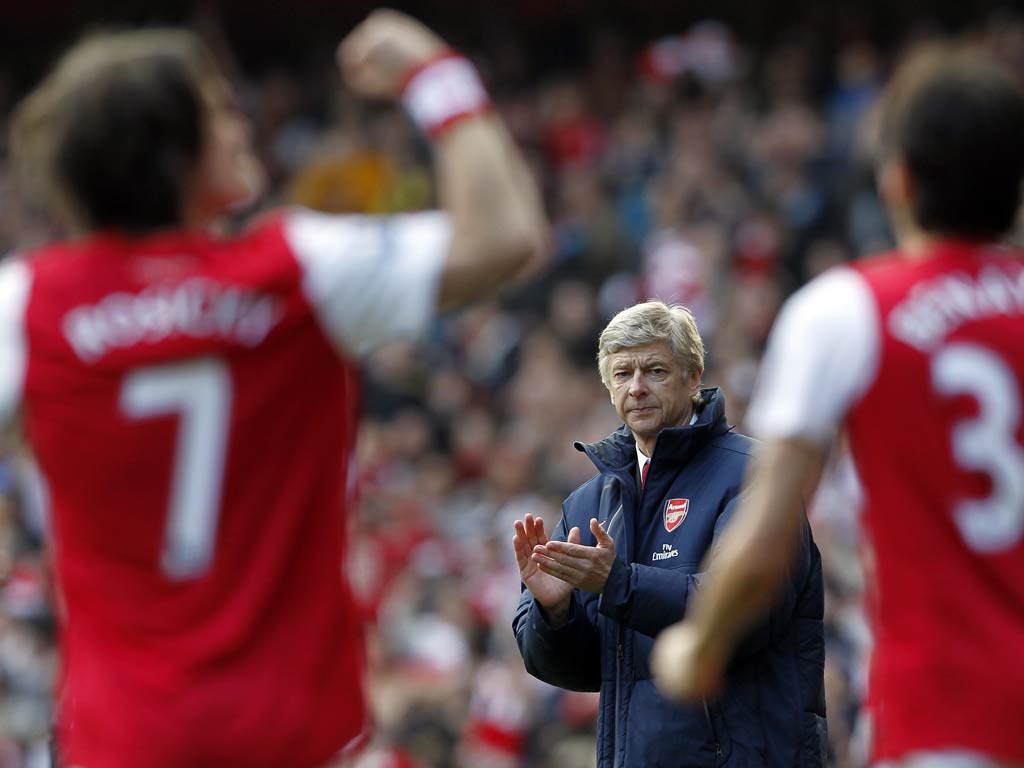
(522, 249)
(483, 262)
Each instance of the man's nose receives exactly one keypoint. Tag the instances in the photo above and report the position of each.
(637, 384)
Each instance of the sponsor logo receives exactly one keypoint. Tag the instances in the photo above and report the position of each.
(675, 513)
(667, 553)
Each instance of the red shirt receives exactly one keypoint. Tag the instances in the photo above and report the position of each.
(192, 405)
(923, 360)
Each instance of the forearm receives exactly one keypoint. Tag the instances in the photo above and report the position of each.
(757, 549)
(498, 226)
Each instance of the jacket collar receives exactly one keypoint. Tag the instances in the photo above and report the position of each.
(616, 454)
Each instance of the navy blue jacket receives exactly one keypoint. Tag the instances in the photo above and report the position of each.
(772, 710)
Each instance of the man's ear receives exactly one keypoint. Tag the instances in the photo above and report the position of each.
(896, 185)
(695, 378)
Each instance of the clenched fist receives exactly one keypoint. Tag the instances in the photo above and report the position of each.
(377, 56)
(684, 668)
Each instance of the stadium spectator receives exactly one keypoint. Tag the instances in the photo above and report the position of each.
(624, 561)
(917, 355)
(161, 368)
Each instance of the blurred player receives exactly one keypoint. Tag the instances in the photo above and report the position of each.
(919, 355)
(192, 400)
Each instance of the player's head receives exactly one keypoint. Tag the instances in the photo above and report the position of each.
(135, 131)
(951, 155)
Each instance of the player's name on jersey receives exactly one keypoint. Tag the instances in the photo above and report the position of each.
(199, 308)
(936, 308)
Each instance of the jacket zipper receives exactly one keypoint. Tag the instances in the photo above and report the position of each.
(619, 717)
(620, 655)
(611, 523)
(716, 744)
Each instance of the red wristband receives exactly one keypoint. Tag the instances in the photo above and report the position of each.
(442, 91)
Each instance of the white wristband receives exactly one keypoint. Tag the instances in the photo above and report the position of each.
(442, 92)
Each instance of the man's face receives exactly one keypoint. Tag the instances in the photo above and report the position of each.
(229, 172)
(650, 390)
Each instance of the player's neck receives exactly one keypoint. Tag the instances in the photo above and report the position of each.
(914, 243)
(921, 244)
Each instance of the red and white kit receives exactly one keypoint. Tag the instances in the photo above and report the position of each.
(192, 405)
(922, 361)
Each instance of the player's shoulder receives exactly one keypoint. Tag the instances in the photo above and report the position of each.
(57, 259)
(322, 240)
(830, 315)
(15, 277)
(833, 297)
(266, 229)
(257, 254)
(880, 264)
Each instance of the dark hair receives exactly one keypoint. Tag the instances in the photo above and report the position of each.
(112, 135)
(957, 119)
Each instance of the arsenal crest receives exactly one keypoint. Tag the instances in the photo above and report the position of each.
(675, 513)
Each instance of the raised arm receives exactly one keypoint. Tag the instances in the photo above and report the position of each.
(498, 227)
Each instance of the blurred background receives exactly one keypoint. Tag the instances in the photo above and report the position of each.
(716, 156)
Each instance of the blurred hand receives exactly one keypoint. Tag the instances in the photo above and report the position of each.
(684, 669)
(551, 592)
(376, 56)
(585, 568)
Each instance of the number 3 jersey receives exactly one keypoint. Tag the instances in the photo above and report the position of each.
(192, 405)
(922, 361)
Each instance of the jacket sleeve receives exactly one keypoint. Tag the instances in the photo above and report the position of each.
(568, 656)
(649, 599)
(644, 598)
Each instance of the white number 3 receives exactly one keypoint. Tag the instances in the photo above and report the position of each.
(200, 393)
(986, 444)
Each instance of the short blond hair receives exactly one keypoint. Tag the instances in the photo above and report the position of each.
(648, 323)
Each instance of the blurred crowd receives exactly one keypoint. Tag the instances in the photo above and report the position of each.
(689, 168)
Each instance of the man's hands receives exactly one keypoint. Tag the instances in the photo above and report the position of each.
(552, 593)
(585, 568)
(377, 56)
(552, 569)
(684, 669)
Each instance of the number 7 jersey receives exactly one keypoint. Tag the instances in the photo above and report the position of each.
(922, 360)
(192, 405)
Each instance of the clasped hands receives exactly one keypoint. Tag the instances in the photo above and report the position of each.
(552, 569)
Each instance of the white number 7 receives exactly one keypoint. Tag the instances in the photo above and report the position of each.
(200, 393)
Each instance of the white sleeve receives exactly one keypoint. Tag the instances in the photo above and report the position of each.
(822, 355)
(370, 279)
(15, 281)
